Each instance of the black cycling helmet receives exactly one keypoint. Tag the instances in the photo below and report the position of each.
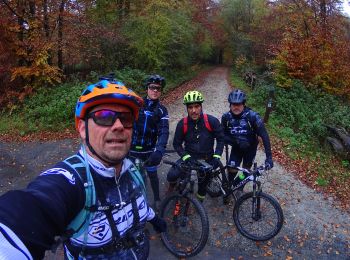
(155, 79)
(237, 97)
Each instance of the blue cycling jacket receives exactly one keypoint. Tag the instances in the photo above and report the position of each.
(151, 131)
(45, 208)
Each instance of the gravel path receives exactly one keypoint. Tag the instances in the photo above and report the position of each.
(315, 227)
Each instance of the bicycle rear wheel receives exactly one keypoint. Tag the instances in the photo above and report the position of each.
(258, 218)
(214, 187)
(187, 225)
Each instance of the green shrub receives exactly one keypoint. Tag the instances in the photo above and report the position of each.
(305, 112)
(53, 108)
(299, 119)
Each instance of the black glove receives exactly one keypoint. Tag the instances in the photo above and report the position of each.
(215, 162)
(159, 224)
(155, 158)
(189, 160)
(268, 163)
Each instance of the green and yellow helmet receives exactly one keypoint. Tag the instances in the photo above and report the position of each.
(193, 96)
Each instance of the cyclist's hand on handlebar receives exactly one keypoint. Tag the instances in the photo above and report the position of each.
(189, 160)
(215, 162)
(268, 163)
(155, 158)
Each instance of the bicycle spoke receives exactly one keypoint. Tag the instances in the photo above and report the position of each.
(185, 233)
(258, 219)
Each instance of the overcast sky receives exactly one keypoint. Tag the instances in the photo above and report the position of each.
(346, 8)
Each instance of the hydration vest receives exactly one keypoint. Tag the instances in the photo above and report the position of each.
(206, 123)
(81, 222)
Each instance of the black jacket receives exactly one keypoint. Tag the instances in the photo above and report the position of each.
(198, 140)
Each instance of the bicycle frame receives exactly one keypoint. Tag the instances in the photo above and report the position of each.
(227, 187)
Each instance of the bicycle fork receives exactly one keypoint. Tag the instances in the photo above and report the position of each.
(177, 212)
(256, 210)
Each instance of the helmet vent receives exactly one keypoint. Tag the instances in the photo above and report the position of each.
(86, 92)
(99, 86)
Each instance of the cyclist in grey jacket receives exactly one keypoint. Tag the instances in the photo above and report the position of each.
(242, 127)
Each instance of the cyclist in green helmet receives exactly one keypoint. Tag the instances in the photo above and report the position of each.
(194, 139)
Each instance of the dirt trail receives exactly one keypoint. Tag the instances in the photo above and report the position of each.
(314, 228)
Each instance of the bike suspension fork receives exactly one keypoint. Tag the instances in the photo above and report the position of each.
(256, 210)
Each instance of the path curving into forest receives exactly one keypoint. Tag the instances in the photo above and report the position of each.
(315, 227)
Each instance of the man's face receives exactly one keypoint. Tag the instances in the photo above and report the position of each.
(154, 91)
(109, 142)
(236, 109)
(194, 111)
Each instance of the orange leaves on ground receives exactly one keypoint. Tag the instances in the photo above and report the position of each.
(286, 238)
(40, 136)
(305, 171)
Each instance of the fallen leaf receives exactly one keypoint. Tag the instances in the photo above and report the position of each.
(286, 238)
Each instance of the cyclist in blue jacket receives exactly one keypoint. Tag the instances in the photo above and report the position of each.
(151, 133)
(94, 200)
(242, 127)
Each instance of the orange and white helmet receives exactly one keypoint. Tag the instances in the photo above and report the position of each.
(107, 91)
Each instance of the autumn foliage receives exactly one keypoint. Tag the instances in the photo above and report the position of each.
(313, 48)
(43, 42)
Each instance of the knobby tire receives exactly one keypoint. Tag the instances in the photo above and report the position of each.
(187, 235)
(262, 226)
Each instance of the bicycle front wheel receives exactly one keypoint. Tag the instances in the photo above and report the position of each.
(187, 225)
(259, 217)
(214, 187)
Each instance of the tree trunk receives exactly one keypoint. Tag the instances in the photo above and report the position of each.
(120, 9)
(60, 36)
(127, 8)
(20, 6)
(47, 29)
(323, 13)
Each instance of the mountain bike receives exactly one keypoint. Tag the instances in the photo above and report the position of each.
(187, 221)
(257, 215)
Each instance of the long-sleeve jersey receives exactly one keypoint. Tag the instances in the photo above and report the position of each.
(241, 131)
(50, 202)
(198, 140)
(151, 131)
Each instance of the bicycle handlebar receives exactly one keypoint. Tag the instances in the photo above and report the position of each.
(198, 166)
(259, 170)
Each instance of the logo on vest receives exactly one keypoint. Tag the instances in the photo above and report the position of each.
(60, 171)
